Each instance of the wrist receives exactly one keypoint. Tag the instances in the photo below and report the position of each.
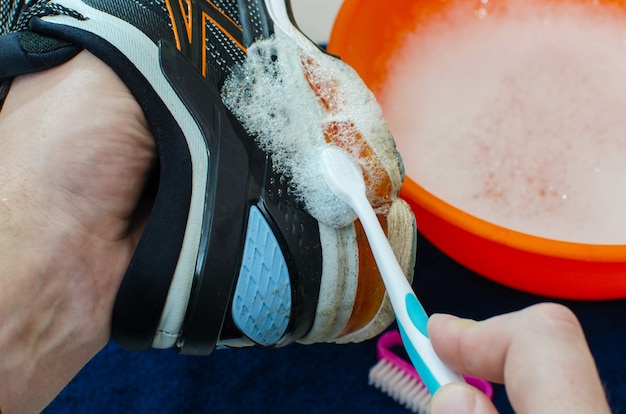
(54, 320)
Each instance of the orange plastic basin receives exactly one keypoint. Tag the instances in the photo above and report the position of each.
(366, 35)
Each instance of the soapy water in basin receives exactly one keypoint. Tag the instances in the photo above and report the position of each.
(518, 115)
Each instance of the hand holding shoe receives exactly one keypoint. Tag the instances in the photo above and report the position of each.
(74, 156)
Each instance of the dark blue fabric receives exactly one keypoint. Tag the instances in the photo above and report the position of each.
(318, 378)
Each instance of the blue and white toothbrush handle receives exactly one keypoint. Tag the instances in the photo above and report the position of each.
(346, 181)
(411, 317)
(412, 320)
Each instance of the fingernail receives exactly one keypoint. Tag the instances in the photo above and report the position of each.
(445, 321)
(454, 399)
(440, 319)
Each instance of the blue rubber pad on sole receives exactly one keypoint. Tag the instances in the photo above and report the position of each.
(262, 299)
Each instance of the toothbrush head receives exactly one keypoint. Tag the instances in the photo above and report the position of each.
(332, 179)
(343, 175)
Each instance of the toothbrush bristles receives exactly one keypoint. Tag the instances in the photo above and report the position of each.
(402, 387)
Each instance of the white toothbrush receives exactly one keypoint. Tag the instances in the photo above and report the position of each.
(346, 181)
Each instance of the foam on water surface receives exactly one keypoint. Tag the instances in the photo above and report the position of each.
(516, 113)
(295, 102)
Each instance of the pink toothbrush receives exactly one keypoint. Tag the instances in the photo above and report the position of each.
(397, 377)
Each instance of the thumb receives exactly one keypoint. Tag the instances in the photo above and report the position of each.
(460, 398)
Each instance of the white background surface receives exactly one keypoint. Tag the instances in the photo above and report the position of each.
(315, 17)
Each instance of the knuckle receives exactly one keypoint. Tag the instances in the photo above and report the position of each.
(555, 319)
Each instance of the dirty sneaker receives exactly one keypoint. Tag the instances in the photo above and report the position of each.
(236, 251)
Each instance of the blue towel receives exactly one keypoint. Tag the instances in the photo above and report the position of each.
(324, 377)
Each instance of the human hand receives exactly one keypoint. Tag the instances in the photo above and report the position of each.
(539, 353)
(75, 153)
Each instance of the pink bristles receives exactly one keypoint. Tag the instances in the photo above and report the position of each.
(402, 387)
(397, 377)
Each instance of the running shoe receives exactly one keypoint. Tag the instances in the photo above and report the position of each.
(237, 251)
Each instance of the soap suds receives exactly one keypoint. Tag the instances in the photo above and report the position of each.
(517, 115)
(292, 103)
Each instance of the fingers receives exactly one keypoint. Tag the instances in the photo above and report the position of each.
(461, 399)
(468, 346)
(540, 353)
